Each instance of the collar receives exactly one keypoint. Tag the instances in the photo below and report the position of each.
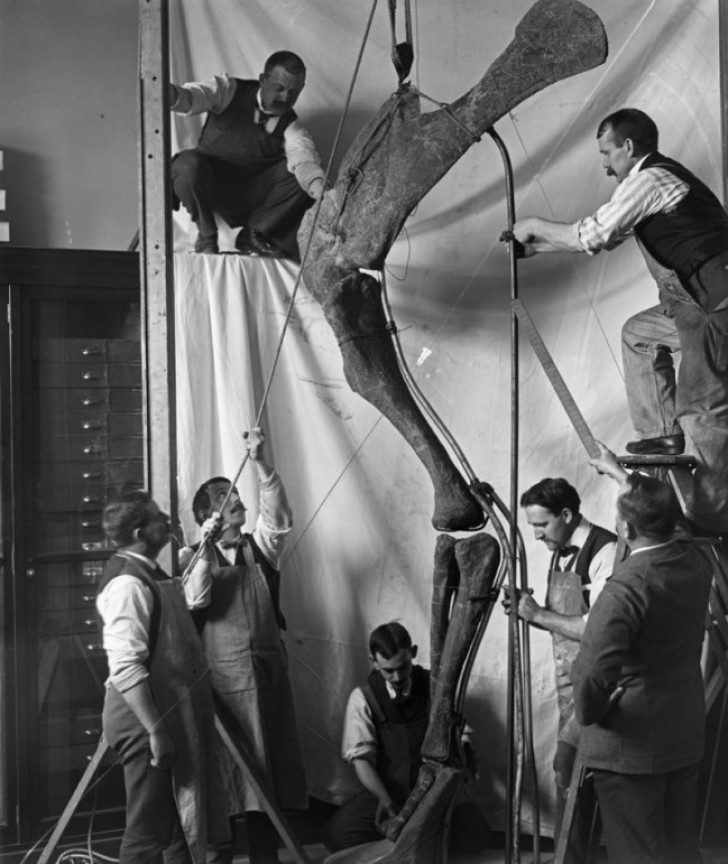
(648, 548)
(392, 693)
(580, 533)
(636, 167)
(148, 561)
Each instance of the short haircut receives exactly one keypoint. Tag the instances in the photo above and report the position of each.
(650, 506)
(633, 124)
(123, 515)
(554, 494)
(291, 62)
(388, 639)
(202, 501)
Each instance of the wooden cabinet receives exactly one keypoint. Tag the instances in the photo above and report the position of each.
(72, 436)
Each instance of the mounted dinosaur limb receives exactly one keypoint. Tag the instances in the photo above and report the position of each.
(396, 159)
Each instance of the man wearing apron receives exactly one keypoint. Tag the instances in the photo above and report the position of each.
(583, 560)
(233, 591)
(158, 712)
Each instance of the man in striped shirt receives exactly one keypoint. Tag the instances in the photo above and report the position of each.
(682, 230)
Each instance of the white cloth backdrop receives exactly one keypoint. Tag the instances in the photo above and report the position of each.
(361, 551)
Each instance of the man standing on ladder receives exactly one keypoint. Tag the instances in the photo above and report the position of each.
(682, 231)
(583, 560)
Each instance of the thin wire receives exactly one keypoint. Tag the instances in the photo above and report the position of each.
(299, 276)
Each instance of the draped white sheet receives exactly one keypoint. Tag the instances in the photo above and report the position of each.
(361, 552)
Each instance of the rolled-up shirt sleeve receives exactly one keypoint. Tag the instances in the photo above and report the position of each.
(199, 97)
(302, 158)
(125, 606)
(360, 735)
(639, 195)
(275, 519)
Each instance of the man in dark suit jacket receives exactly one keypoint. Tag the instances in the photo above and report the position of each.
(638, 688)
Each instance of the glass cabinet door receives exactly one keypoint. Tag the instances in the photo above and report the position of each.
(77, 439)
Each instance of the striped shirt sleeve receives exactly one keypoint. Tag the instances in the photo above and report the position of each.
(638, 196)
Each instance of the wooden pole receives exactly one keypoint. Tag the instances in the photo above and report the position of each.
(157, 275)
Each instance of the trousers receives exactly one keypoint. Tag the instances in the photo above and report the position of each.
(650, 818)
(263, 195)
(153, 832)
(695, 399)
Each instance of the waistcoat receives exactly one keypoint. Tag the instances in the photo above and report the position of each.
(400, 730)
(691, 233)
(233, 134)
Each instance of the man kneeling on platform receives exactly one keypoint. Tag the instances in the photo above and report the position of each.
(582, 562)
(384, 728)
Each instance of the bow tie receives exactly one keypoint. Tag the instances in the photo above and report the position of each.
(233, 544)
(263, 117)
(568, 551)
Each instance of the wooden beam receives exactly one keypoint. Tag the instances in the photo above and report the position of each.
(723, 61)
(157, 275)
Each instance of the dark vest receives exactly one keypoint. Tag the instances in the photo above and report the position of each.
(692, 233)
(596, 539)
(118, 564)
(400, 729)
(233, 134)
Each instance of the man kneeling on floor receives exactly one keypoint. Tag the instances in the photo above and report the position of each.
(384, 728)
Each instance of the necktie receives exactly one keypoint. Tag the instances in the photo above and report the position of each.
(263, 118)
(233, 544)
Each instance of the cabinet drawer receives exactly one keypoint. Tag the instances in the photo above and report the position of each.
(89, 375)
(67, 532)
(96, 400)
(93, 473)
(93, 422)
(85, 350)
(80, 497)
(65, 731)
(90, 446)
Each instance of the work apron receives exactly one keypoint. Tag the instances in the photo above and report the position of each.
(565, 595)
(249, 670)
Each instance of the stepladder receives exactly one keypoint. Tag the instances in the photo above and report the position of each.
(580, 843)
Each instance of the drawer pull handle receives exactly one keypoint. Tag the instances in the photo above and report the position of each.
(91, 424)
(91, 351)
(90, 499)
(89, 403)
(91, 475)
(93, 647)
(88, 598)
(92, 547)
(90, 622)
(91, 523)
(90, 376)
(92, 733)
(92, 450)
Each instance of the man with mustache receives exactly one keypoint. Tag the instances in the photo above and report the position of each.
(255, 164)
(582, 562)
(682, 230)
(233, 592)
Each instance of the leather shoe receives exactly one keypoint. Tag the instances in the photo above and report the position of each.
(251, 242)
(667, 445)
(207, 245)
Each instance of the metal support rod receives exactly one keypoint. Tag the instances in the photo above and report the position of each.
(520, 733)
